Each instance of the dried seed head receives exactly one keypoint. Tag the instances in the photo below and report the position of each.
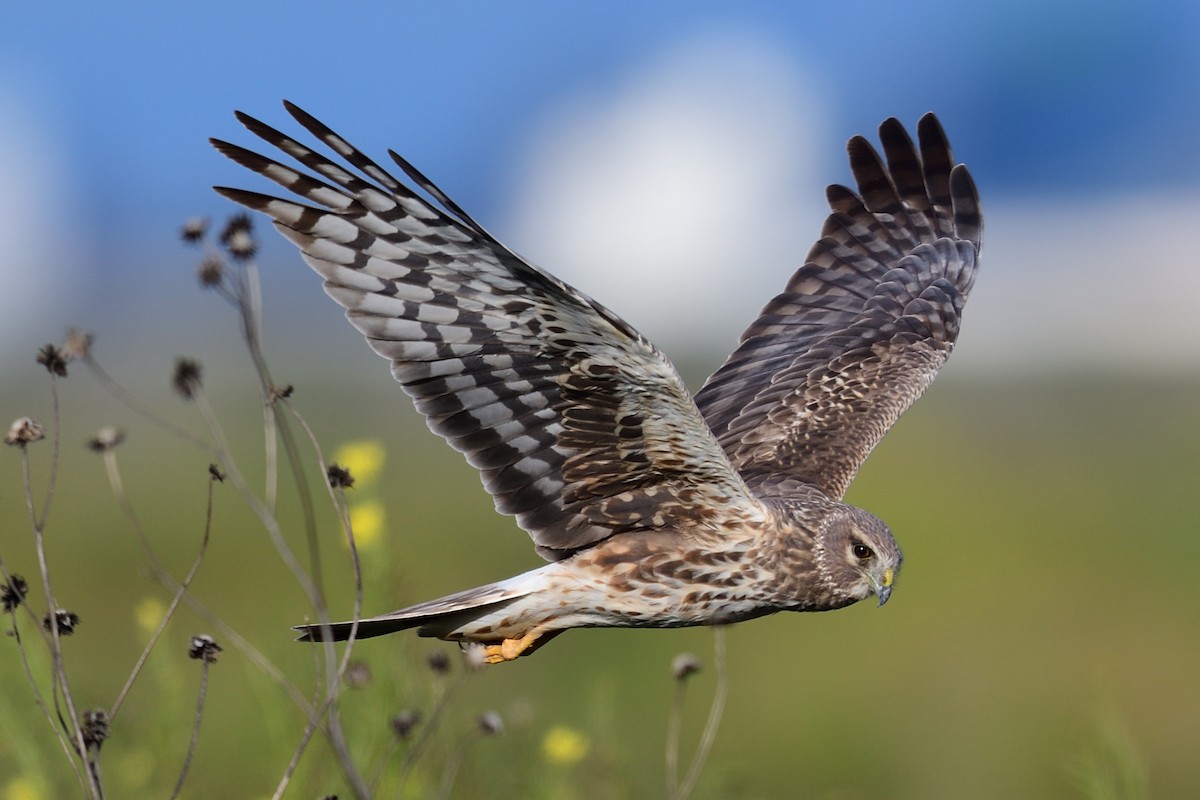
(203, 648)
(106, 439)
(211, 271)
(491, 723)
(23, 431)
(187, 377)
(474, 655)
(684, 666)
(238, 237)
(95, 728)
(236, 223)
(194, 230)
(404, 723)
(67, 622)
(339, 477)
(438, 661)
(53, 360)
(12, 593)
(77, 344)
(357, 675)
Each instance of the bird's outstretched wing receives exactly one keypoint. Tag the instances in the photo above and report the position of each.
(863, 327)
(578, 425)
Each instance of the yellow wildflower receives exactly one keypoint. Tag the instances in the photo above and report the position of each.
(564, 746)
(367, 518)
(22, 789)
(148, 614)
(364, 458)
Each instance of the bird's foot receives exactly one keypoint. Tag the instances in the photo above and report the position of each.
(509, 649)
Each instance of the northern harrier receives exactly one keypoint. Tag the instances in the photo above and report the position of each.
(654, 508)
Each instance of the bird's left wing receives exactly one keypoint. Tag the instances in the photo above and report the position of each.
(863, 327)
(579, 426)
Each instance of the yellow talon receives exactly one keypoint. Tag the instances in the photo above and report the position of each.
(509, 649)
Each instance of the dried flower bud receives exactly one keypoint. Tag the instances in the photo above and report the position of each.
(77, 344)
(357, 675)
(106, 439)
(211, 271)
(194, 230)
(12, 593)
(23, 431)
(236, 223)
(53, 360)
(404, 723)
(491, 723)
(438, 662)
(684, 666)
(238, 237)
(474, 655)
(203, 648)
(95, 728)
(242, 246)
(339, 477)
(67, 622)
(187, 377)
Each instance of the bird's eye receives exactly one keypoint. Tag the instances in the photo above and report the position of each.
(861, 551)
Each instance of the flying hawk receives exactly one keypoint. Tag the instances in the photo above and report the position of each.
(654, 508)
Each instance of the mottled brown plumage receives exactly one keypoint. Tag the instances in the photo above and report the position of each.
(654, 510)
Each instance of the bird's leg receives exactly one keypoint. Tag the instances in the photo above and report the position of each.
(510, 649)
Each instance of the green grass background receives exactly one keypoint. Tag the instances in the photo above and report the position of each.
(1042, 642)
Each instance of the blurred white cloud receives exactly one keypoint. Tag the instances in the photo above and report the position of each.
(672, 194)
(1088, 283)
(684, 195)
(39, 251)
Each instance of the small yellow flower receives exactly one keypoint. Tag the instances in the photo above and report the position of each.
(367, 519)
(364, 459)
(564, 746)
(22, 789)
(148, 614)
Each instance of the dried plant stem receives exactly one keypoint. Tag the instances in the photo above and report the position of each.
(37, 694)
(428, 730)
(265, 517)
(191, 751)
(250, 311)
(133, 404)
(674, 723)
(277, 430)
(715, 713)
(327, 713)
(454, 764)
(60, 685)
(114, 476)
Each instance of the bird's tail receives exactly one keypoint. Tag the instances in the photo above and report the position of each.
(438, 617)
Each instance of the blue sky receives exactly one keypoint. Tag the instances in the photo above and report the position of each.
(1084, 112)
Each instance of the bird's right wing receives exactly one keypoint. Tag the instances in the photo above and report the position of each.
(579, 426)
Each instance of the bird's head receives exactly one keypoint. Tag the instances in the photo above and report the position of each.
(858, 556)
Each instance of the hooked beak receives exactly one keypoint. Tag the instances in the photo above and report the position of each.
(883, 587)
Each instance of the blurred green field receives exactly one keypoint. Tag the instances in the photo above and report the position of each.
(1045, 629)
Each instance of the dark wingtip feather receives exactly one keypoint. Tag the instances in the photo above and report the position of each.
(968, 218)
